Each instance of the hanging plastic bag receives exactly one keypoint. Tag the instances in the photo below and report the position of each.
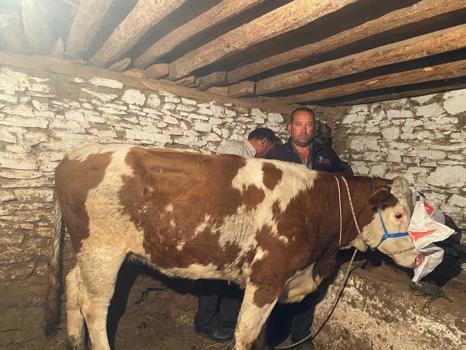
(425, 228)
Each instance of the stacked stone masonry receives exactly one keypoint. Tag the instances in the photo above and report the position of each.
(44, 116)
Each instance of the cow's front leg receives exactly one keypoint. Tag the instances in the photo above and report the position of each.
(256, 308)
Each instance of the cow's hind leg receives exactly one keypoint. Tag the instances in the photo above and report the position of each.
(99, 272)
(252, 317)
(74, 316)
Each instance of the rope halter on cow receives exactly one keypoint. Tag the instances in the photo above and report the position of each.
(386, 234)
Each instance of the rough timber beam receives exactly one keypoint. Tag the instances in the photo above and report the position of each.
(242, 89)
(145, 15)
(425, 45)
(212, 17)
(449, 70)
(274, 23)
(211, 79)
(36, 19)
(11, 33)
(400, 95)
(420, 11)
(86, 24)
(157, 71)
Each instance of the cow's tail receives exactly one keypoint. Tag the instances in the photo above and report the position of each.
(54, 273)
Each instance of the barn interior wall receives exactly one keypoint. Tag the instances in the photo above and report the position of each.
(422, 138)
(44, 115)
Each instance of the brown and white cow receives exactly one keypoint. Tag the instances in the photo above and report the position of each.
(270, 226)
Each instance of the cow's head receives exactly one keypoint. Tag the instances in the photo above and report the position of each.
(391, 212)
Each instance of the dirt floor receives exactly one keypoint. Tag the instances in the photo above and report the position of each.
(154, 317)
(148, 313)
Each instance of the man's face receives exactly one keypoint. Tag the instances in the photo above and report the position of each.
(301, 128)
(263, 146)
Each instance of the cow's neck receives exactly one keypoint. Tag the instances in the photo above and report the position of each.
(360, 190)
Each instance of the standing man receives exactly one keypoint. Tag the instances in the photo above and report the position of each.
(219, 302)
(304, 148)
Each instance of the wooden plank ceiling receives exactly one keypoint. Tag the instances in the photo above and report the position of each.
(328, 52)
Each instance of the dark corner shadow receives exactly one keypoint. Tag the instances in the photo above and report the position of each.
(129, 272)
(281, 318)
(454, 257)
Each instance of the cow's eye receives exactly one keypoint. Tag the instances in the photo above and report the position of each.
(398, 215)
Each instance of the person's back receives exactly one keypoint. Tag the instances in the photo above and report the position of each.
(240, 148)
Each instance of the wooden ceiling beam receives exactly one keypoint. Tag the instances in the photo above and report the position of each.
(449, 70)
(12, 36)
(272, 24)
(86, 24)
(145, 15)
(120, 65)
(243, 89)
(36, 18)
(211, 79)
(157, 71)
(425, 45)
(218, 90)
(212, 17)
(189, 81)
(421, 10)
(399, 95)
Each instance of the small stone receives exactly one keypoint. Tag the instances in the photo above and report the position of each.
(6, 196)
(132, 96)
(458, 201)
(203, 127)
(188, 101)
(275, 118)
(8, 98)
(153, 101)
(391, 133)
(424, 135)
(168, 106)
(215, 121)
(422, 99)
(218, 111)
(354, 118)
(114, 84)
(19, 110)
(185, 108)
(101, 96)
(358, 109)
(205, 108)
(433, 110)
(170, 120)
(448, 176)
(399, 113)
(455, 104)
(454, 93)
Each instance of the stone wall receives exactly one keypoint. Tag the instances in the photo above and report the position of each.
(45, 114)
(422, 138)
(42, 116)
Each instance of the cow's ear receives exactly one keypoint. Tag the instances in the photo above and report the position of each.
(382, 198)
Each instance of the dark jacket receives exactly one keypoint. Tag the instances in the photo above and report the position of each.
(322, 157)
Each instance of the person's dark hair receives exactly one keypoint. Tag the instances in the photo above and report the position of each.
(302, 109)
(263, 133)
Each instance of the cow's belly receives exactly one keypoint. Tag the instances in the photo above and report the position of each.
(300, 284)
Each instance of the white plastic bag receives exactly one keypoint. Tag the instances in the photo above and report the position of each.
(425, 228)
